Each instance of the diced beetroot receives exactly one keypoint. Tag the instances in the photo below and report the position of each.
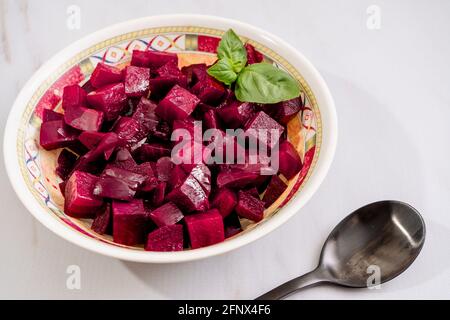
(166, 215)
(124, 159)
(84, 119)
(56, 134)
(167, 76)
(119, 184)
(205, 229)
(169, 69)
(209, 90)
(162, 131)
(195, 73)
(178, 104)
(88, 87)
(164, 167)
(50, 115)
(189, 196)
(159, 194)
(130, 222)
(105, 148)
(103, 220)
(210, 120)
(264, 129)
(177, 177)
(186, 124)
(165, 239)
(104, 74)
(151, 182)
(253, 56)
(90, 139)
(80, 201)
(249, 207)
(287, 110)
(110, 99)
(289, 160)
(127, 130)
(232, 225)
(137, 81)
(274, 190)
(253, 192)
(236, 179)
(203, 175)
(146, 117)
(66, 162)
(225, 200)
(151, 152)
(236, 114)
(73, 96)
(152, 59)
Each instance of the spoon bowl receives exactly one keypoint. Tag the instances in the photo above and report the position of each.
(383, 237)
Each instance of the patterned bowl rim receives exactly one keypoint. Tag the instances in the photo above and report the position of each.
(311, 76)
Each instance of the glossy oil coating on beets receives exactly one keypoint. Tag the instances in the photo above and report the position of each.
(128, 177)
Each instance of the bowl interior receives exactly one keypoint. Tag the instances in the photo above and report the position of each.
(193, 45)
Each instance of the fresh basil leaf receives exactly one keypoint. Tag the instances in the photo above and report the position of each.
(264, 83)
(223, 71)
(232, 48)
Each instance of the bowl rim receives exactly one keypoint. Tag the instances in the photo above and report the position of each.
(307, 70)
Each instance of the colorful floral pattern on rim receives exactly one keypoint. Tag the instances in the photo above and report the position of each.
(304, 131)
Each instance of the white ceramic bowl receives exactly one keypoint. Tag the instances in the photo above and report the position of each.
(27, 165)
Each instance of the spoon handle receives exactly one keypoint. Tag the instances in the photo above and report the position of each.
(293, 285)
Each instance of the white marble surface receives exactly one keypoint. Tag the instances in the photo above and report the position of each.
(391, 88)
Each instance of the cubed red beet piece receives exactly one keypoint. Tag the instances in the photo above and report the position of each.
(73, 96)
(236, 114)
(130, 222)
(66, 162)
(209, 90)
(103, 220)
(249, 207)
(264, 129)
(205, 229)
(253, 192)
(164, 167)
(127, 130)
(274, 190)
(232, 225)
(189, 196)
(110, 99)
(165, 239)
(159, 194)
(104, 74)
(56, 134)
(119, 184)
(146, 169)
(169, 69)
(166, 215)
(90, 139)
(80, 201)
(88, 87)
(104, 149)
(225, 200)
(286, 110)
(177, 177)
(151, 152)
(178, 104)
(210, 120)
(253, 56)
(203, 175)
(50, 115)
(236, 179)
(290, 162)
(124, 159)
(137, 81)
(84, 119)
(152, 59)
(146, 116)
(167, 76)
(195, 73)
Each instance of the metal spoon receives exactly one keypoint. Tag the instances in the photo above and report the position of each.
(385, 236)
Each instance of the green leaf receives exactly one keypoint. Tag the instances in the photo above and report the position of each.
(232, 49)
(223, 71)
(264, 83)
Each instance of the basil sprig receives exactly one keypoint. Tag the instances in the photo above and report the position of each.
(259, 82)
